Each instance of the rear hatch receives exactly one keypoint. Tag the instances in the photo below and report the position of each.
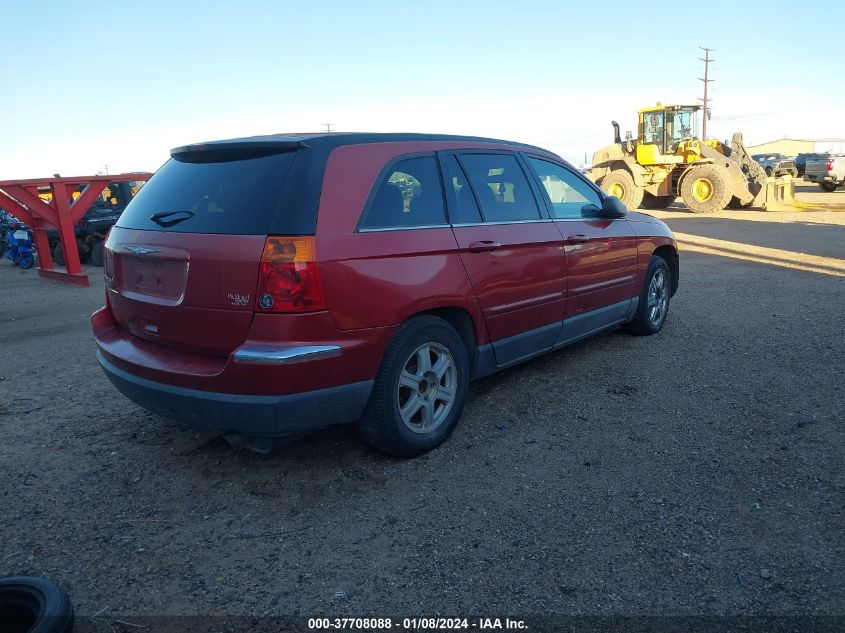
(182, 262)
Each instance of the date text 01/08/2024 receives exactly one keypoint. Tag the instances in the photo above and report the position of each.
(411, 624)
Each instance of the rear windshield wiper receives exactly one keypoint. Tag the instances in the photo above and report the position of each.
(158, 218)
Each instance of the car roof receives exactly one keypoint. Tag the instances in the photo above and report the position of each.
(332, 140)
(300, 197)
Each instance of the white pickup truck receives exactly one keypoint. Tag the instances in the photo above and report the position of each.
(828, 171)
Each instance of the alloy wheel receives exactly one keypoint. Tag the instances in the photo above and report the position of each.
(658, 298)
(427, 388)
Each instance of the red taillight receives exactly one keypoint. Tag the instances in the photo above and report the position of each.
(288, 280)
(830, 164)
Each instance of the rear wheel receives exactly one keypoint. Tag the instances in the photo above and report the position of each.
(97, 253)
(654, 299)
(58, 255)
(82, 249)
(620, 183)
(656, 202)
(420, 389)
(704, 190)
(827, 186)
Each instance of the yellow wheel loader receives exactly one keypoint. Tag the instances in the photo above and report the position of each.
(667, 160)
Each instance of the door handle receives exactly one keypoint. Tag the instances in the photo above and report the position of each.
(580, 238)
(484, 245)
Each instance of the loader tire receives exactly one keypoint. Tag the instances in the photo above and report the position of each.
(620, 183)
(704, 190)
(656, 202)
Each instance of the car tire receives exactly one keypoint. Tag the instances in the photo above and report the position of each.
(829, 187)
(656, 202)
(58, 255)
(620, 183)
(704, 190)
(769, 171)
(97, 253)
(26, 260)
(34, 605)
(653, 306)
(420, 389)
(82, 249)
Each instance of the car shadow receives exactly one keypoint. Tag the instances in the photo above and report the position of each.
(811, 238)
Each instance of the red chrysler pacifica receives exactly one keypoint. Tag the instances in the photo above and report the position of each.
(272, 285)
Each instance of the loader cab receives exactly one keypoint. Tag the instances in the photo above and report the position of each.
(662, 129)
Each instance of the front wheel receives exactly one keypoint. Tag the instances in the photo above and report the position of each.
(653, 305)
(420, 389)
(26, 260)
(704, 189)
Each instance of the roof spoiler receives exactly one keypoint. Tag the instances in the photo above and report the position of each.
(247, 146)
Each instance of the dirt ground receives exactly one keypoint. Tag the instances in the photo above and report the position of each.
(694, 472)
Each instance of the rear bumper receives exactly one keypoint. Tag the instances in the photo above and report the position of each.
(252, 415)
(823, 178)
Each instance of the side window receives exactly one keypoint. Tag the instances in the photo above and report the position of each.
(567, 192)
(500, 186)
(467, 208)
(409, 194)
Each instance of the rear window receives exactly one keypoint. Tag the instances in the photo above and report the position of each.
(211, 192)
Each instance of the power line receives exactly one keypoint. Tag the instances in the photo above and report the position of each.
(704, 115)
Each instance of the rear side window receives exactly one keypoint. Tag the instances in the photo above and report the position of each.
(226, 193)
(408, 194)
(501, 187)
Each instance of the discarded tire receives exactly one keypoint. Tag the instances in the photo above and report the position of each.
(34, 605)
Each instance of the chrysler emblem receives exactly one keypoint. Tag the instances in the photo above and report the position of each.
(142, 250)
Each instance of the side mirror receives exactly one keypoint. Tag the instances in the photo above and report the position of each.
(611, 207)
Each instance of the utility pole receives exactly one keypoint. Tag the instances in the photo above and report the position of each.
(704, 115)
(328, 127)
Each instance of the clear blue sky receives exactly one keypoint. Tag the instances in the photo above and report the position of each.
(92, 83)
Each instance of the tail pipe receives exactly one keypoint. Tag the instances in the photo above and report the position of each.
(617, 138)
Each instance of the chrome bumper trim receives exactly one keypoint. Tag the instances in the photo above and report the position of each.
(269, 355)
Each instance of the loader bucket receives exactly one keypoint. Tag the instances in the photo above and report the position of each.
(776, 194)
